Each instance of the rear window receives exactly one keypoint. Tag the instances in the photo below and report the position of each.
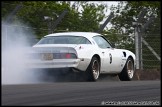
(64, 40)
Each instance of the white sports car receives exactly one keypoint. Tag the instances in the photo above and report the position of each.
(84, 52)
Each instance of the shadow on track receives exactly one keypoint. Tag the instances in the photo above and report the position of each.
(59, 75)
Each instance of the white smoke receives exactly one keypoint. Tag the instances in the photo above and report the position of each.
(16, 39)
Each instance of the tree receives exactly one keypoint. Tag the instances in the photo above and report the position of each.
(126, 13)
(33, 13)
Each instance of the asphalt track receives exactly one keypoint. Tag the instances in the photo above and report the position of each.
(83, 93)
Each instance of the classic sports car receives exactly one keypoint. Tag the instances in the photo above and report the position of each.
(83, 52)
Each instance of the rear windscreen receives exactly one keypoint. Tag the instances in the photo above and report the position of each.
(64, 40)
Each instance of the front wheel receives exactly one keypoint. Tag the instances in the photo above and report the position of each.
(128, 71)
(93, 70)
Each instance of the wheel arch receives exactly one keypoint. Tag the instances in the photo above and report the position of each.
(131, 58)
(98, 57)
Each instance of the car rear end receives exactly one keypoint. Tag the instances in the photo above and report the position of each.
(53, 56)
(63, 50)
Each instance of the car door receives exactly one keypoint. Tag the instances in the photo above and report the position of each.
(115, 60)
(110, 58)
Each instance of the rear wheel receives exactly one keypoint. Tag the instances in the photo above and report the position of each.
(93, 70)
(128, 71)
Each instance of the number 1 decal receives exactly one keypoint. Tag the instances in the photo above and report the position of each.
(110, 58)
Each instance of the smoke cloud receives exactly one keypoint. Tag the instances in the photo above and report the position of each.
(17, 39)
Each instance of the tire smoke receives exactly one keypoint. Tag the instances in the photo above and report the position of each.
(16, 43)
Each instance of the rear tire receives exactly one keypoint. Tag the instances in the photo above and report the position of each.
(93, 70)
(128, 71)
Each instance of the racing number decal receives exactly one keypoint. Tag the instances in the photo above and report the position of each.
(110, 58)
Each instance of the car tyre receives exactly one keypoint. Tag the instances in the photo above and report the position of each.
(93, 70)
(128, 71)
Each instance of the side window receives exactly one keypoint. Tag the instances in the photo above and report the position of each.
(101, 42)
(84, 41)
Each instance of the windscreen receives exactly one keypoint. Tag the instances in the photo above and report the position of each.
(64, 40)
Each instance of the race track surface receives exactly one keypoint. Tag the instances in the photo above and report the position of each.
(83, 93)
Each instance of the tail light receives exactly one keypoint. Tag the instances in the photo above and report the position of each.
(68, 56)
(45, 56)
(65, 56)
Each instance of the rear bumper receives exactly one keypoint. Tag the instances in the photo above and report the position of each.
(57, 63)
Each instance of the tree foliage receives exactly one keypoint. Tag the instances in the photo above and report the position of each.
(33, 13)
(126, 13)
